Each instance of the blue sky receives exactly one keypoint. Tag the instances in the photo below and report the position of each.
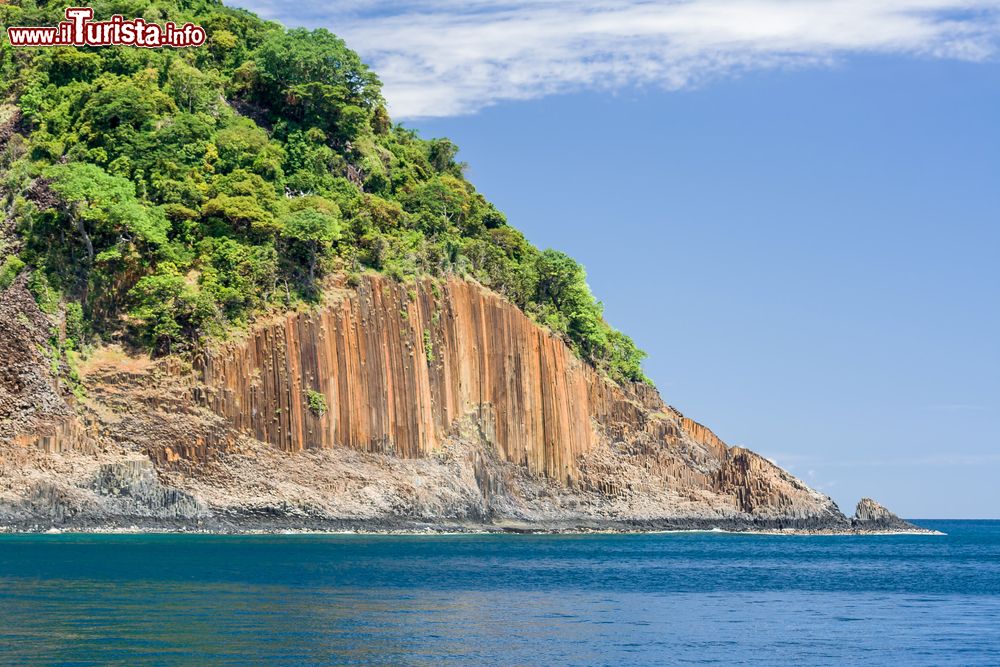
(795, 211)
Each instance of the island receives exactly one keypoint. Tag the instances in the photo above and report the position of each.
(235, 297)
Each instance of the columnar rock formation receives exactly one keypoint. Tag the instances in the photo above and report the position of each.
(31, 409)
(392, 405)
(398, 365)
(870, 515)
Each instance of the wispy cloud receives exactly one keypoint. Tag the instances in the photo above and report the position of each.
(450, 57)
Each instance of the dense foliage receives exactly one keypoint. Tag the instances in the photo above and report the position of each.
(171, 194)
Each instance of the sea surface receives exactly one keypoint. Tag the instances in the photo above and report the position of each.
(681, 598)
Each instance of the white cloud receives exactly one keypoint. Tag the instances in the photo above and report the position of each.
(450, 57)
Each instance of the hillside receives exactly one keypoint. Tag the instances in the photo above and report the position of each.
(166, 196)
(238, 297)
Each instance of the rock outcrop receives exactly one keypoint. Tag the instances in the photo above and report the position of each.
(397, 365)
(428, 404)
(871, 516)
(32, 409)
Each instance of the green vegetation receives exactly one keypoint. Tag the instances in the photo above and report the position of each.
(317, 402)
(428, 346)
(9, 270)
(63, 354)
(76, 326)
(173, 194)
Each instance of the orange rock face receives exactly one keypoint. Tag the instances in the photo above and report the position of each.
(430, 402)
(397, 366)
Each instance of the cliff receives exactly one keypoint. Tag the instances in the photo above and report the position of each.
(392, 405)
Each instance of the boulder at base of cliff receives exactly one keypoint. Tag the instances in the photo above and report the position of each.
(871, 516)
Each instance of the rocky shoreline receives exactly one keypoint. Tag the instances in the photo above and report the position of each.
(255, 524)
(440, 530)
(503, 430)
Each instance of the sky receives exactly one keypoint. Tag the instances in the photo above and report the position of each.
(793, 207)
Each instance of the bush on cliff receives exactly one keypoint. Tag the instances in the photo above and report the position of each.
(173, 193)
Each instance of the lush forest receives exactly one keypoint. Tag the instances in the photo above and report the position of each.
(161, 197)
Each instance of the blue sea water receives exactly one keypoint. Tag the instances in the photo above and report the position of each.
(512, 599)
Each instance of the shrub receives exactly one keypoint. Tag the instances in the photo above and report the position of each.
(45, 295)
(428, 346)
(9, 271)
(317, 402)
(75, 325)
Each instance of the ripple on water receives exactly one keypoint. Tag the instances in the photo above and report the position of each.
(604, 599)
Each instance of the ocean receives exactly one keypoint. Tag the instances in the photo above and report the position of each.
(680, 598)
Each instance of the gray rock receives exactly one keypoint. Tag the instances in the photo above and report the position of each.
(134, 486)
(871, 516)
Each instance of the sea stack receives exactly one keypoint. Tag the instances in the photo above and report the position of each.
(872, 516)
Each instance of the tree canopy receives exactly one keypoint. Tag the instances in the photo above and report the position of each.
(173, 194)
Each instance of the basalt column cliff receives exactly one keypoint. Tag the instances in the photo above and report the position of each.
(398, 366)
(424, 404)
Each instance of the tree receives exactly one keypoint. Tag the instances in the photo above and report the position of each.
(193, 90)
(296, 57)
(441, 153)
(104, 207)
(239, 277)
(246, 203)
(241, 144)
(170, 310)
(625, 358)
(313, 226)
(309, 162)
(439, 204)
(315, 80)
(241, 213)
(560, 280)
(567, 304)
(118, 110)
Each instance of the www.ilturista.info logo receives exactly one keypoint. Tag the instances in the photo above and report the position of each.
(79, 30)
